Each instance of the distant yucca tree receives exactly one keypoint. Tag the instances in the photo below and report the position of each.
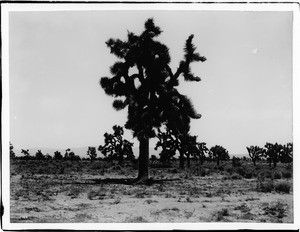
(219, 153)
(11, 151)
(273, 153)
(150, 93)
(26, 153)
(115, 147)
(57, 155)
(39, 155)
(287, 153)
(255, 153)
(91, 152)
(201, 151)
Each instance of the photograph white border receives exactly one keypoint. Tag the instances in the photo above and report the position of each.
(9, 7)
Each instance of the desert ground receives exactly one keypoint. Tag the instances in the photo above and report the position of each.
(100, 192)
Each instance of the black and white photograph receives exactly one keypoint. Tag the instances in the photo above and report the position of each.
(149, 116)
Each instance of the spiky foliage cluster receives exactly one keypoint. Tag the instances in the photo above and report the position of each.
(91, 152)
(273, 153)
(70, 155)
(201, 151)
(26, 154)
(168, 144)
(58, 155)
(11, 151)
(219, 153)
(150, 93)
(287, 153)
(115, 147)
(185, 144)
(255, 153)
(39, 155)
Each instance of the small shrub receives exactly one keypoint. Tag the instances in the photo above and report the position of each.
(287, 175)
(276, 209)
(235, 176)
(283, 187)
(266, 186)
(277, 175)
(248, 175)
(74, 192)
(219, 215)
(241, 171)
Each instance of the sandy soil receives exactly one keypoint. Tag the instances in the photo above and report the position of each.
(178, 196)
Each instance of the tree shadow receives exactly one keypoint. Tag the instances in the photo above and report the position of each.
(125, 181)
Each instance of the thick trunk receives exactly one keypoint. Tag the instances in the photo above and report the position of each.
(181, 160)
(143, 160)
(188, 161)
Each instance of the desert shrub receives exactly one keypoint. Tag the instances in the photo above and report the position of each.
(229, 170)
(221, 168)
(265, 186)
(283, 187)
(74, 192)
(276, 209)
(286, 174)
(219, 215)
(248, 175)
(289, 167)
(268, 174)
(241, 171)
(243, 208)
(139, 219)
(277, 175)
(235, 176)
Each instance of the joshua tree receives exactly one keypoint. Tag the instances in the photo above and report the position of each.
(11, 151)
(91, 152)
(287, 153)
(255, 153)
(25, 153)
(39, 155)
(201, 151)
(219, 153)
(273, 153)
(66, 156)
(168, 144)
(57, 155)
(150, 93)
(116, 147)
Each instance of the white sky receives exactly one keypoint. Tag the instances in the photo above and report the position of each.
(56, 60)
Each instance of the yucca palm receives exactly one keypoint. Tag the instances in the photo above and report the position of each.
(150, 93)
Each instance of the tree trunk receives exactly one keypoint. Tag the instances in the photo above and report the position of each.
(254, 162)
(188, 160)
(181, 160)
(143, 160)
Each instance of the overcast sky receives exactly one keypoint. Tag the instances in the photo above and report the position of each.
(56, 60)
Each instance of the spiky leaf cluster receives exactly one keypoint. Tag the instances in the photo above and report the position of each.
(150, 92)
(115, 147)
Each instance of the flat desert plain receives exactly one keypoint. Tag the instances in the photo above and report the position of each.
(100, 192)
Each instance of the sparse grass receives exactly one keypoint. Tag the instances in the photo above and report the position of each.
(138, 219)
(149, 201)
